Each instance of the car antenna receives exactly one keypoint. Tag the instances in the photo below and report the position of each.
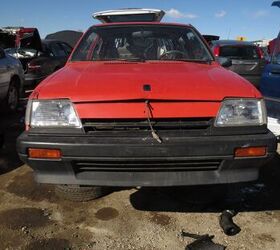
(149, 116)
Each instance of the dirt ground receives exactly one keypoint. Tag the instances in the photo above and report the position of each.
(32, 217)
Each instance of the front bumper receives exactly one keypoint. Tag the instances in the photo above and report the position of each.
(141, 161)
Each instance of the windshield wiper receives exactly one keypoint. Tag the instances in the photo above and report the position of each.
(209, 61)
(136, 59)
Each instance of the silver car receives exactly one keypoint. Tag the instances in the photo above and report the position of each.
(11, 81)
(247, 58)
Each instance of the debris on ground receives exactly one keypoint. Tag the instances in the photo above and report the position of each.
(227, 224)
(202, 242)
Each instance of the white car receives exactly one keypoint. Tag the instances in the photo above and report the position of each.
(11, 81)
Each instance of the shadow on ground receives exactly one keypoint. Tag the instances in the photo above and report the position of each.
(257, 196)
(11, 125)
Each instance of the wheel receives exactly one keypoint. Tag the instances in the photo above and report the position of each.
(12, 98)
(80, 193)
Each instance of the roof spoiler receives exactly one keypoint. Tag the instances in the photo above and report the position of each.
(129, 15)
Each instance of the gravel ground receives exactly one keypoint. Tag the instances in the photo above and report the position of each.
(32, 217)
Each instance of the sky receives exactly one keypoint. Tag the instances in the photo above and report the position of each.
(253, 19)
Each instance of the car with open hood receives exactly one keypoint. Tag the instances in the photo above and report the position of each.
(53, 57)
(39, 58)
(22, 43)
(144, 103)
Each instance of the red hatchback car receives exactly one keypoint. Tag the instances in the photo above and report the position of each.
(144, 103)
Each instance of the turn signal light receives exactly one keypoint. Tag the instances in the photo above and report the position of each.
(250, 152)
(41, 153)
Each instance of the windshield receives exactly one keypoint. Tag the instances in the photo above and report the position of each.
(276, 52)
(145, 42)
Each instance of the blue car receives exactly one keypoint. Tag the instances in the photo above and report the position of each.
(270, 86)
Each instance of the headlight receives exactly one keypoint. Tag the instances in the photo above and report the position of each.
(241, 112)
(51, 113)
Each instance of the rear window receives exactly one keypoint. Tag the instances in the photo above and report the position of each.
(239, 52)
(130, 18)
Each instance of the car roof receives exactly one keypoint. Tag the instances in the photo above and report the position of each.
(141, 23)
(47, 41)
(232, 42)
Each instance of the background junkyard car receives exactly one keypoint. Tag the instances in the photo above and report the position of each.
(53, 57)
(11, 81)
(270, 84)
(70, 37)
(39, 57)
(22, 43)
(210, 38)
(270, 87)
(247, 58)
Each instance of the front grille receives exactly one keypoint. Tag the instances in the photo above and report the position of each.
(133, 125)
(146, 165)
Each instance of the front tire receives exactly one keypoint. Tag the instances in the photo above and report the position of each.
(80, 193)
(12, 98)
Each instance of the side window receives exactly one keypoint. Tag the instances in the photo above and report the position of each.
(57, 50)
(194, 47)
(85, 48)
(66, 48)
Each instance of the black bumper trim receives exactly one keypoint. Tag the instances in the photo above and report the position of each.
(136, 162)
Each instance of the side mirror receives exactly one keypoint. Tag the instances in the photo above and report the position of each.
(2, 53)
(224, 61)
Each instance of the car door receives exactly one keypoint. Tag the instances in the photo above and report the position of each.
(270, 88)
(5, 72)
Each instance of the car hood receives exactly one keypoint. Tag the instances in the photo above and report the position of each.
(124, 81)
